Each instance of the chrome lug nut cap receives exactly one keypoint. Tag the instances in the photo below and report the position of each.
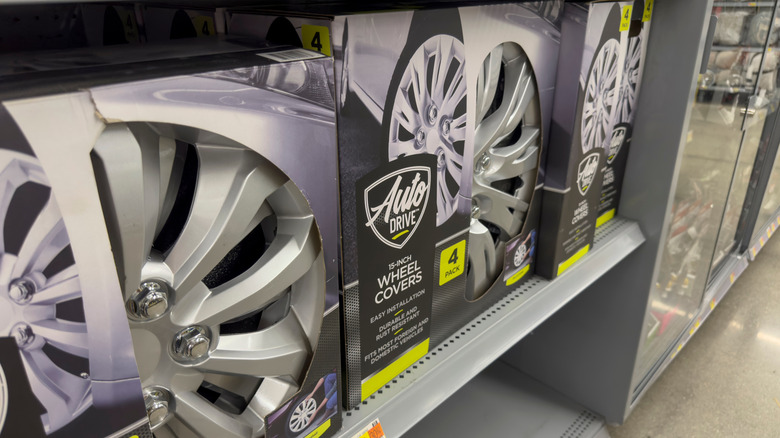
(483, 164)
(191, 343)
(474, 211)
(157, 405)
(21, 290)
(150, 300)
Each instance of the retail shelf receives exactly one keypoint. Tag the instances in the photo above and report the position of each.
(753, 49)
(744, 4)
(726, 89)
(763, 237)
(732, 268)
(401, 404)
(509, 403)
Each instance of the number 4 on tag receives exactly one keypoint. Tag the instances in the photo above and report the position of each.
(452, 262)
(316, 38)
(625, 19)
(648, 12)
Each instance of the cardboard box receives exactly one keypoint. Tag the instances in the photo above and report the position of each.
(618, 147)
(593, 41)
(408, 286)
(199, 193)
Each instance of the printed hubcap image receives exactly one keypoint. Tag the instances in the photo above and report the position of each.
(429, 115)
(223, 276)
(302, 415)
(627, 101)
(507, 143)
(40, 294)
(601, 90)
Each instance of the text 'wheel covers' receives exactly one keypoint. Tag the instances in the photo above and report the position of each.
(221, 265)
(40, 293)
(598, 109)
(506, 154)
(429, 115)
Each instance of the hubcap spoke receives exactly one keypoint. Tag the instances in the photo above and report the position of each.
(516, 159)
(482, 257)
(277, 351)
(286, 260)
(131, 178)
(56, 292)
(68, 336)
(487, 82)
(499, 212)
(46, 238)
(224, 210)
(205, 419)
(55, 387)
(503, 122)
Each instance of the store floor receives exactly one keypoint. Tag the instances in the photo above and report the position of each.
(726, 381)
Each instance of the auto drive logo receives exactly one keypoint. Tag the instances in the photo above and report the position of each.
(617, 140)
(586, 172)
(395, 204)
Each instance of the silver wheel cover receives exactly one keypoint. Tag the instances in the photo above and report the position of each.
(34, 322)
(428, 115)
(598, 109)
(506, 149)
(245, 375)
(630, 81)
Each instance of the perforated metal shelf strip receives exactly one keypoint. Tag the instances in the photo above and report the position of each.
(423, 386)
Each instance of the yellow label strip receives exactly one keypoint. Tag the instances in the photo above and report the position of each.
(373, 384)
(518, 275)
(573, 259)
(316, 433)
(604, 218)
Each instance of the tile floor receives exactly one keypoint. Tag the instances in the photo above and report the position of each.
(726, 382)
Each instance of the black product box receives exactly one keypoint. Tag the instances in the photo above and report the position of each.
(178, 244)
(594, 36)
(620, 140)
(409, 112)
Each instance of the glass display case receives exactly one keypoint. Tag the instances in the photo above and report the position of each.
(736, 88)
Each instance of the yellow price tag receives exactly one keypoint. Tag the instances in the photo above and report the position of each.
(316, 38)
(452, 262)
(732, 278)
(648, 12)
(204, 25)
(373, 430)
(625, 19)
(712, 304)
